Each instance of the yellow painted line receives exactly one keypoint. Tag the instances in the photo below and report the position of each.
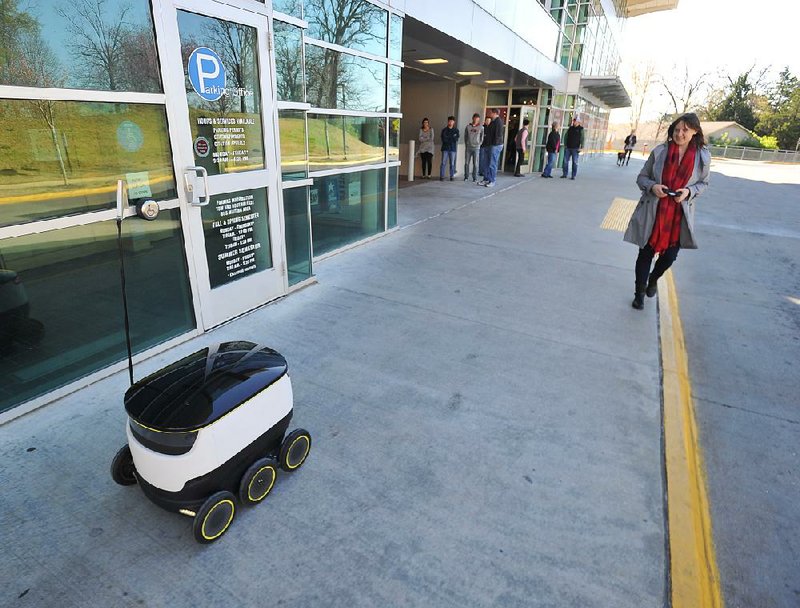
(693, 562)
(74, 191)
(619, 213)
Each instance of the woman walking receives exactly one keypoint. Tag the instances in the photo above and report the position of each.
(426, 148)
(674, 175)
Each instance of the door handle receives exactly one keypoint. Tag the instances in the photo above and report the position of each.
(189, 179)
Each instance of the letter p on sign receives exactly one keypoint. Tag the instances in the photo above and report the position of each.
(207, 74)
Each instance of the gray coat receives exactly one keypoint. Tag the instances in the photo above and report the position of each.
(644, 216)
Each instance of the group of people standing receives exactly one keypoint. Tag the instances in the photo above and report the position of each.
(483, 142)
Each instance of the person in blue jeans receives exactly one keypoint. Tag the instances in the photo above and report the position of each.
(486, 149)
(574, 143)
(553, 143)
(493, 133)
(449, 147)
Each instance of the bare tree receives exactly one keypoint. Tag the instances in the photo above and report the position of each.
(38, 66)
(643, 76)
(236, 45)
(14, 24)
(684, 89)
(98, 38)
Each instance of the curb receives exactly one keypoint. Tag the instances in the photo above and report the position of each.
(693, 575)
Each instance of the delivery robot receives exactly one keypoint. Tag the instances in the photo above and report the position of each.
(209, 429)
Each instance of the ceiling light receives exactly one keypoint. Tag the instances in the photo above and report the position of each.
(495, 81)
(432, 61)
(469, 73)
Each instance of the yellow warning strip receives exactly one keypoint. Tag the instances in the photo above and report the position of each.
(619, 213)
(693, 561)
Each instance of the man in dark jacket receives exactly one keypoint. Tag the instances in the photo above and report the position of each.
(552, 146)
(449, 147)
(574, 143)
(494, 134)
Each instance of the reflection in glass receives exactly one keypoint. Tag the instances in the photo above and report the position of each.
(344, 82)
(289, 7)
(394, 139)
(396, 37)
(79, 44)
(64, 157)
(222, 88)
(292, 129)
(395, 72)
(298, 234)
(394, 186)
(497, 98)
(344, 141)
(236, 231)
(355, 24)
(67, 319)
(289, 62)
(346, 208)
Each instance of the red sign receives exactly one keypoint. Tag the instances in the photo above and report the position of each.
(201, 147)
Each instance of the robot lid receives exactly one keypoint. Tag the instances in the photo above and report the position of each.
(201, 388)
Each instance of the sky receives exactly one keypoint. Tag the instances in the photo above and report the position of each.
(715, 36)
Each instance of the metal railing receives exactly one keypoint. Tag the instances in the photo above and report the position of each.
(742, 153)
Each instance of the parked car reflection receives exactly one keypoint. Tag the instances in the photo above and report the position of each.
(16, 326)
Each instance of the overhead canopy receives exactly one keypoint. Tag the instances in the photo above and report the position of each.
(608, 89)
(642, 7)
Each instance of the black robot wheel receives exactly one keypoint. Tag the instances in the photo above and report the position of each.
(258, 481)
(294, 450)
(123, 471)
(214, 517)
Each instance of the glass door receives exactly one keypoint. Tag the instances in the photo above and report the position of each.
(219, 100)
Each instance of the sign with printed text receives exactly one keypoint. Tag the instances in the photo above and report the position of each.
(207, 73)
(138, 185)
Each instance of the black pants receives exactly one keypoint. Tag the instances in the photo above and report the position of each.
(645, 259)
(520, 160)
(427, 162)
(628, 156)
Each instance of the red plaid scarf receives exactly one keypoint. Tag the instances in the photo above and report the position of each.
(669, 215)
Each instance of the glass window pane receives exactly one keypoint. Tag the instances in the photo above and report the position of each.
(298, 234)
(497, 98)
(109, 46)
(395, 77)
(223, 92)
(394, 186)
(346, 208)
(294, 162)
(289, 7)
(344, 82)
(525, 97)
(65, 157)
(394, 139)
(355, 24)
(61, 314)
(344, 141)
(236, 229)
(289, 62)
(396, 37)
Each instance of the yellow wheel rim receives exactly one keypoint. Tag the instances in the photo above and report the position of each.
(291, 447)
(227, 523)
(253, 480)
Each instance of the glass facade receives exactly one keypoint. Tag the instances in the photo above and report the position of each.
(351, 134)
(61, 305)
(346, 208)
(297, 222)
(63, 158)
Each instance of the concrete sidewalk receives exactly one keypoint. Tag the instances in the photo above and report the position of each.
(485, 409)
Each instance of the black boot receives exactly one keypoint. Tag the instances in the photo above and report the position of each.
(638, 297)
(652, 287)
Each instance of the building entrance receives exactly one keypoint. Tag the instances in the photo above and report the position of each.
(516, 117)
(219, 102)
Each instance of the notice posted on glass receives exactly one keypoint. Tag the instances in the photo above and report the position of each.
(229, 138)
(233, 245)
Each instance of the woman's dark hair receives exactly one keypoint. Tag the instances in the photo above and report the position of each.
(693, 122)
(423, 121)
